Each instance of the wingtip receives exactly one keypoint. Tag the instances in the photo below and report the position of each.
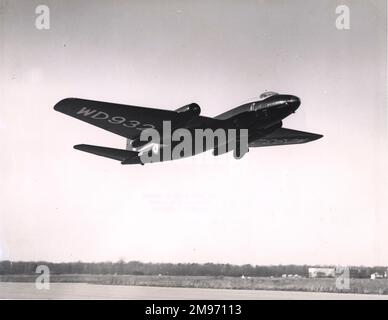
(61, 102)
(79, 146)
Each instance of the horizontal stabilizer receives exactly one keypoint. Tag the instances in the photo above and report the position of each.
(125, 156)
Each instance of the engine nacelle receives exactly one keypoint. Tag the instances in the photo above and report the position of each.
(189, 111)
(185, 114)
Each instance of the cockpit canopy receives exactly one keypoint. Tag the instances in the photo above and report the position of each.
(267, 94)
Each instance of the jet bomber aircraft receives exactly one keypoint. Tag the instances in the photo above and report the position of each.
(259, 124)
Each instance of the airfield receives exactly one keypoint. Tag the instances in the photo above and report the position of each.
(77, 291)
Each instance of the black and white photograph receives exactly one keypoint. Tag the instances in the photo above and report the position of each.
(193, 150)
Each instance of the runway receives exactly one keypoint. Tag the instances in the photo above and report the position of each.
(20, 290)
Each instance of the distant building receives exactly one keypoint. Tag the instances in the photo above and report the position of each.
(376, 275)
(321, 272)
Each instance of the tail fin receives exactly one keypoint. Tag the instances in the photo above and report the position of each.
(125, 156)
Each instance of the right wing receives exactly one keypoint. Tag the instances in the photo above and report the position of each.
(124, 120)
(283, 136)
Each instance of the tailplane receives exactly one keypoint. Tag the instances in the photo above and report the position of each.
(124, 156)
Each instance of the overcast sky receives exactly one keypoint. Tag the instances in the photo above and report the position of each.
(317, 203)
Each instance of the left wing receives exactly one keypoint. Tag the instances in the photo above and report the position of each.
(124, 120)
(283, 136)
(128, 121)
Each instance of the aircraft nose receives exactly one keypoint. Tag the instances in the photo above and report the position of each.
(293, 101)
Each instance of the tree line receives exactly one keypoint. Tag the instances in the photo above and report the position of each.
(172, 269)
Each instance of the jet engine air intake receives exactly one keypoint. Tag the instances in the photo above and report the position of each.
(192, 109)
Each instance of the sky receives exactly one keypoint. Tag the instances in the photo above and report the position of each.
(318, 203)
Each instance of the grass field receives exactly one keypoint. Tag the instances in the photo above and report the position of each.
(363, 286)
